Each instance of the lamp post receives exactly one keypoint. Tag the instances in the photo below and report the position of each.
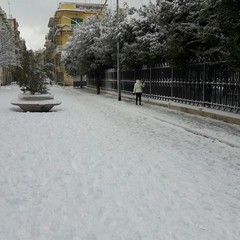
(118, 57)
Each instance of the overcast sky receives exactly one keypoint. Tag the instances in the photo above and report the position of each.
(33, 16)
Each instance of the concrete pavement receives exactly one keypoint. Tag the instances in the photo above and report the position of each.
(229, 117)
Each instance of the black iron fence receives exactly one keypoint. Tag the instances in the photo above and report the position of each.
(212, 85)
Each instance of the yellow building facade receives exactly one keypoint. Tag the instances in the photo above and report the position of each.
(61, 28)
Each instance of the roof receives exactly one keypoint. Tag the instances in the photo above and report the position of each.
(84, 4)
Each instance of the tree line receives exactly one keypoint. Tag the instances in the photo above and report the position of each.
(173, 31)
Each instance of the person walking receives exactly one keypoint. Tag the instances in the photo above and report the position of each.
(98, 85)
(138, 89)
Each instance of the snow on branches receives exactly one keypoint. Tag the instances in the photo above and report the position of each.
(8, 55)
(173, 31)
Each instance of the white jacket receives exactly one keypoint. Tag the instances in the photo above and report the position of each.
(138, 86)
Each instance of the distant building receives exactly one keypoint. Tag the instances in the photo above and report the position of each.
(39, 54)
(10, 47)
(61, 28)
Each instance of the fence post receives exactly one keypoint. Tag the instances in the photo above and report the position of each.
(203, 86)
(150, 84)
(172, 83)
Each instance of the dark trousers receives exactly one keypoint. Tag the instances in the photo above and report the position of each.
(138, 98)
(98, 89)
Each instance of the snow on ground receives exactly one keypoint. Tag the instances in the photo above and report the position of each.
(95, 168)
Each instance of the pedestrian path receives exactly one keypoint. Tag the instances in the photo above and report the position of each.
(224, 116)
(98, 168)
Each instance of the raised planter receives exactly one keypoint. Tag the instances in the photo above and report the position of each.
(36, 102)
(35, 97)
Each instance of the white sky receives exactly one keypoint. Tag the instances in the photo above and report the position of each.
(33, 16)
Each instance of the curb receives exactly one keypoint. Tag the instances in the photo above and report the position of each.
(202, 111)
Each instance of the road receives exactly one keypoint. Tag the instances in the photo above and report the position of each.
(95, 168)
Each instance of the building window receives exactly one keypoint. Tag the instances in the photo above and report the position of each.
(76, 20)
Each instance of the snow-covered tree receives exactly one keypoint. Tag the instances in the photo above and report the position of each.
(78, 55)
(30, 75)
(48, 70)
(219, 31)
(144, 37)
(134, 49)
(104, 46)
(179, 20)
(176, 31)
(8, 56)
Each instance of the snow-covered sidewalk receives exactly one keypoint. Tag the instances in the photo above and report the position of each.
(98, 169)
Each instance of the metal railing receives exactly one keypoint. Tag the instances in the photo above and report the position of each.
(213, 85)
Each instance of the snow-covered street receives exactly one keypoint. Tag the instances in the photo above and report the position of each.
(95, 168)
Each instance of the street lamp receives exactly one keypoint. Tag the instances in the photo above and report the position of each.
(118, 58)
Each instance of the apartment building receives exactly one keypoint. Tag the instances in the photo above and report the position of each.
(10, 47)
(61, 28)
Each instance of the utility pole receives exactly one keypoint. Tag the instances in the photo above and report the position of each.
(118, 58)
(9, 9)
